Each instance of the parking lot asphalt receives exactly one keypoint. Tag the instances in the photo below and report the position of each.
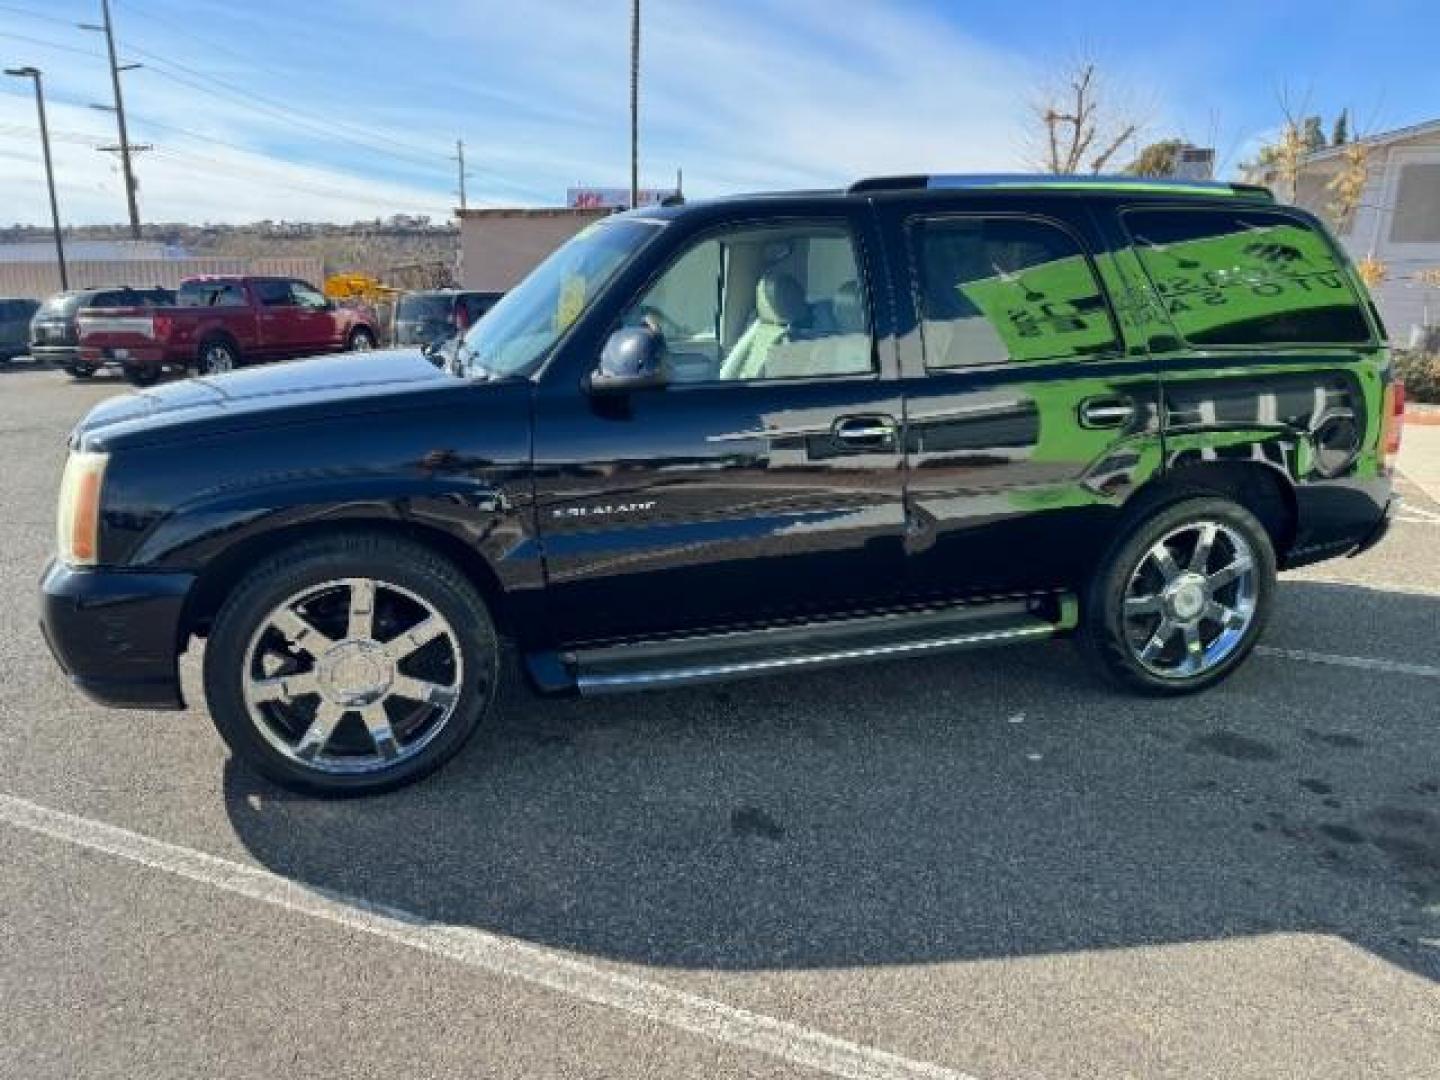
(988, 865)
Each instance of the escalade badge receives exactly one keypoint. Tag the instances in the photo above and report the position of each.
(603, 510)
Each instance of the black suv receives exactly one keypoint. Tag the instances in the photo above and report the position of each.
(747, 436)
(55, 332)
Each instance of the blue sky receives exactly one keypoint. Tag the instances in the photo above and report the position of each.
(350, 109)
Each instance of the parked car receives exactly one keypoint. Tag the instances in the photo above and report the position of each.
(432, 316)
(55, 334)
(218, 323)
(748, 436)
(15, 316)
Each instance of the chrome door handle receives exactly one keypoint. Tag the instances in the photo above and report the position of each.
(864, 430)
(1106, 412)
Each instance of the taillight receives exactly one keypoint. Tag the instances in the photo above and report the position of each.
(462, 317)
(1393, 423)
(159, 326)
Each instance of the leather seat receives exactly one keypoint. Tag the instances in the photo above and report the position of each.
(779, 309)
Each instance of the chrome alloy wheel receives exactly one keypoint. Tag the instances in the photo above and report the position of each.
(217, 359)
(352, 676)
(1190, 600)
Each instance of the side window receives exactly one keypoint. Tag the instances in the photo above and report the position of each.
(305, 296)
(761, 303)
(1000, 289)
(272, 293)
(1246, 277)
(210, 294)
(1417, 205)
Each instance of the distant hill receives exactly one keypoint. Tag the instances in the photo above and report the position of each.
(401, 250)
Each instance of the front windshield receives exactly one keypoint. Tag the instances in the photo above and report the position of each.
(515, 333)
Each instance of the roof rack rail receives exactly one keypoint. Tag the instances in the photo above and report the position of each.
(1056, 182)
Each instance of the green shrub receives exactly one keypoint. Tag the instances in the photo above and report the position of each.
(1421, 372)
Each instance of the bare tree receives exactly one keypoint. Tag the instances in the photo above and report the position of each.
(1083, 127)
(1348, 184)
(1284, 159)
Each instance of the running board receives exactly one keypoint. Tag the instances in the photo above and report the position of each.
(716, 657)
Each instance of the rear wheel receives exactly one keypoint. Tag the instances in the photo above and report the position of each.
(138, 375)
(1181, 602)
(351, 665)
(217, 356)
(80, 371)
(361, 340)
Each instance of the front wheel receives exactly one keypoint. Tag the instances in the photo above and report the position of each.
(1180, 603)
(351, 665)
(361, 341)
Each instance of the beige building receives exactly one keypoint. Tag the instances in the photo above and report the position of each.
(1397, 223)
(499, 247)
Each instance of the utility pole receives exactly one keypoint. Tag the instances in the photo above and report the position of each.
(460, 157)
(125, 148)
(634, 103)
(34, 73)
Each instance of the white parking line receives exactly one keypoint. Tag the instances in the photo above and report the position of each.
(1414, 516)
(488, 952)
(1394, 667)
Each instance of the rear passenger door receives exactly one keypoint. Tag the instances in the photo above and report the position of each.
(1028, 421)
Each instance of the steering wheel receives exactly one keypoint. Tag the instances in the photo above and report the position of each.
(658, 321)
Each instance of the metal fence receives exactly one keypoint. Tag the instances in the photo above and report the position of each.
(36, 281)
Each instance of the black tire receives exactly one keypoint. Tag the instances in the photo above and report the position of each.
(80, 371)
(360, 340)
(217, 356)
(394, 564)
(1107, 636)
(141, 375)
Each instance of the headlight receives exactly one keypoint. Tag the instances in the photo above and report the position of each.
(77, 531)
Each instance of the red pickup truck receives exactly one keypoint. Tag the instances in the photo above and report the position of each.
(219, 323)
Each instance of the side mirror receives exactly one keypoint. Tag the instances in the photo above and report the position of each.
(633, 359)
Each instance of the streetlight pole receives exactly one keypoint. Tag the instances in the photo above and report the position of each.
(108, 29)
(34, 73)
(634, 103)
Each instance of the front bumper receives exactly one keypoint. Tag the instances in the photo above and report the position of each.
(117, 634)
(1382, 528)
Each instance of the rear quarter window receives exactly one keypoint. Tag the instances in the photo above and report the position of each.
(1247, 277)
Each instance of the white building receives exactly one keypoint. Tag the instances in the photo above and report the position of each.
(1397, 223)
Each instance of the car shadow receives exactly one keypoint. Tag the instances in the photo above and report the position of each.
(977, 806)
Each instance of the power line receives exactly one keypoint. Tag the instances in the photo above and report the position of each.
(52, 45)
(331, 129)
(38, 16)
(220, 89)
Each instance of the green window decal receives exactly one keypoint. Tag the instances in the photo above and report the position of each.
(1006, 289)
(1236, 277)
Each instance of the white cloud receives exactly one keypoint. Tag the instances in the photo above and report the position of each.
(746, 95)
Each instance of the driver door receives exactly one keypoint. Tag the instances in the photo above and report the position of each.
(315, 327)
(764, 481)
